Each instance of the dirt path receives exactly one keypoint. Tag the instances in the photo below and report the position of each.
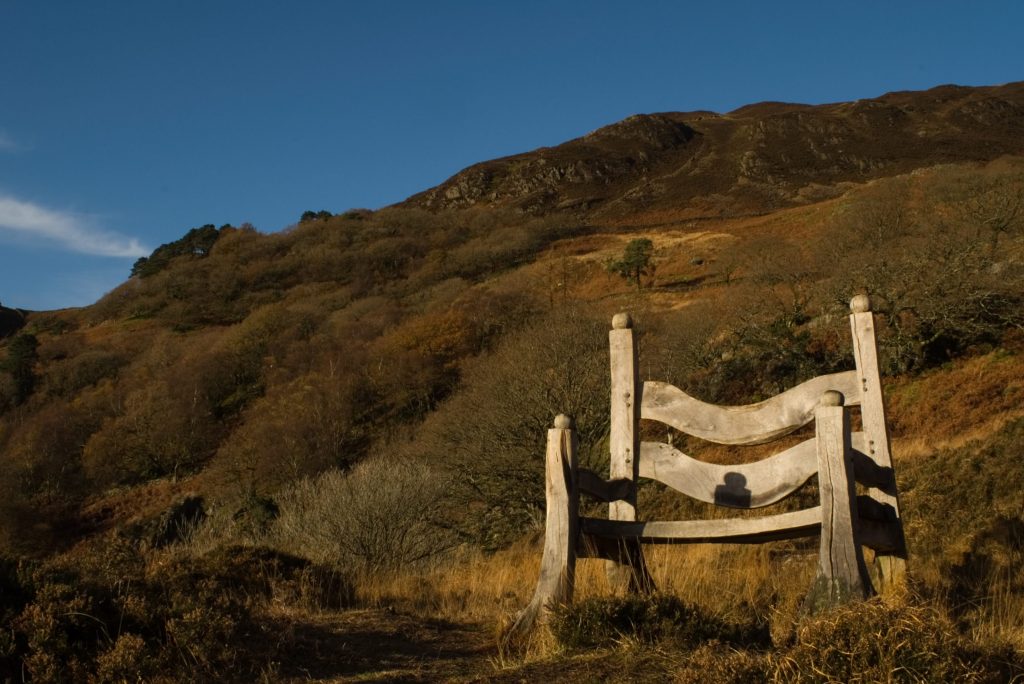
(384, 646)
(379, 645)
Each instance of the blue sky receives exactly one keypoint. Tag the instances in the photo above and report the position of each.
(123, 124)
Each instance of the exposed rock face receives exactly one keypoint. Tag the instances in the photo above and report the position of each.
(572, 175)
(756, 158)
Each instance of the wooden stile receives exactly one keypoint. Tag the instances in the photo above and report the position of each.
(840, 459)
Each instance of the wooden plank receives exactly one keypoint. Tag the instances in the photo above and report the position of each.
(624, 445)
(869, 509)
(891, 567)
(802, 523)
(594, 485)
(842, 575)
(561, 532)
(750, 485)
(751, 424)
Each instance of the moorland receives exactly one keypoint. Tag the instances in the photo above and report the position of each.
(317, 454)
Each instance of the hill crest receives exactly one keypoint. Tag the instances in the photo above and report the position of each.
(756, 158)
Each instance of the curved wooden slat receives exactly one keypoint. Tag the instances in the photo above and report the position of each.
(802, 523)
(751, 424)
(750, 485)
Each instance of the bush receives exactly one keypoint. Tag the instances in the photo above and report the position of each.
(492, 435)
(111, 616)
(68, 376)
(385, 513)
(873, 641)
(651, 619)
(20, 363)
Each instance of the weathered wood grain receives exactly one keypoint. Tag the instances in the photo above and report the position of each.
(891, 567)
(751, 424)
(561, 532)
(866, 471)
(750, 485)
(842, 575)
(624, 444)
(802, 523)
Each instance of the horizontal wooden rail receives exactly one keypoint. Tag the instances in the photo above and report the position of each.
(883, 537)
(802, 523)
(593, 484)
(751, 424)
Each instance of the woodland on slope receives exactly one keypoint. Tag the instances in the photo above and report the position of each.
(407, 362)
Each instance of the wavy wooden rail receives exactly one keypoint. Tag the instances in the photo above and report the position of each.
(750, 424)
(750, 485)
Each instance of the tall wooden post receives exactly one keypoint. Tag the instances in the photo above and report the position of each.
(629, 573)
(890, 567)
(842, 575)
(561, 532)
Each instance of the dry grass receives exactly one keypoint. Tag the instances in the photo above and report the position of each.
(728, 580)
(987, 392)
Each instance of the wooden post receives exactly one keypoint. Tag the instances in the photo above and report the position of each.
(842, 575)
(631, 574)
(890, 567)
(561, 533)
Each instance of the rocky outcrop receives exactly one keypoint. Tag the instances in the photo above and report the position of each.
(576, 174)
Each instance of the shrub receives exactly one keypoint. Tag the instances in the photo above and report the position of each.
(655, 618)
(109, 615)
(385, 513)
(873, 641)
(67, 377)
(492, 434)
(20, 363)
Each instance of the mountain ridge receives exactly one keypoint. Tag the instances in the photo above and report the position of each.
(765, 155)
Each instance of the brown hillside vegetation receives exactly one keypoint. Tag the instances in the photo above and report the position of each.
(756, 158)
(318, 454)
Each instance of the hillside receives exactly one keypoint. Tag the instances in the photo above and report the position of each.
(754, 159)
(261, 446)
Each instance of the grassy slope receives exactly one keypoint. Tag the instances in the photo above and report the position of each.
(404, 303)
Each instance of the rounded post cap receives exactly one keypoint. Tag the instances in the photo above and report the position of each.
(831, 398)
(563, 422)
(622, 321)
(860, 304)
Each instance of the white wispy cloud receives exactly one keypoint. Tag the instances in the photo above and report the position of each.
(7, 143)
(69, 230)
